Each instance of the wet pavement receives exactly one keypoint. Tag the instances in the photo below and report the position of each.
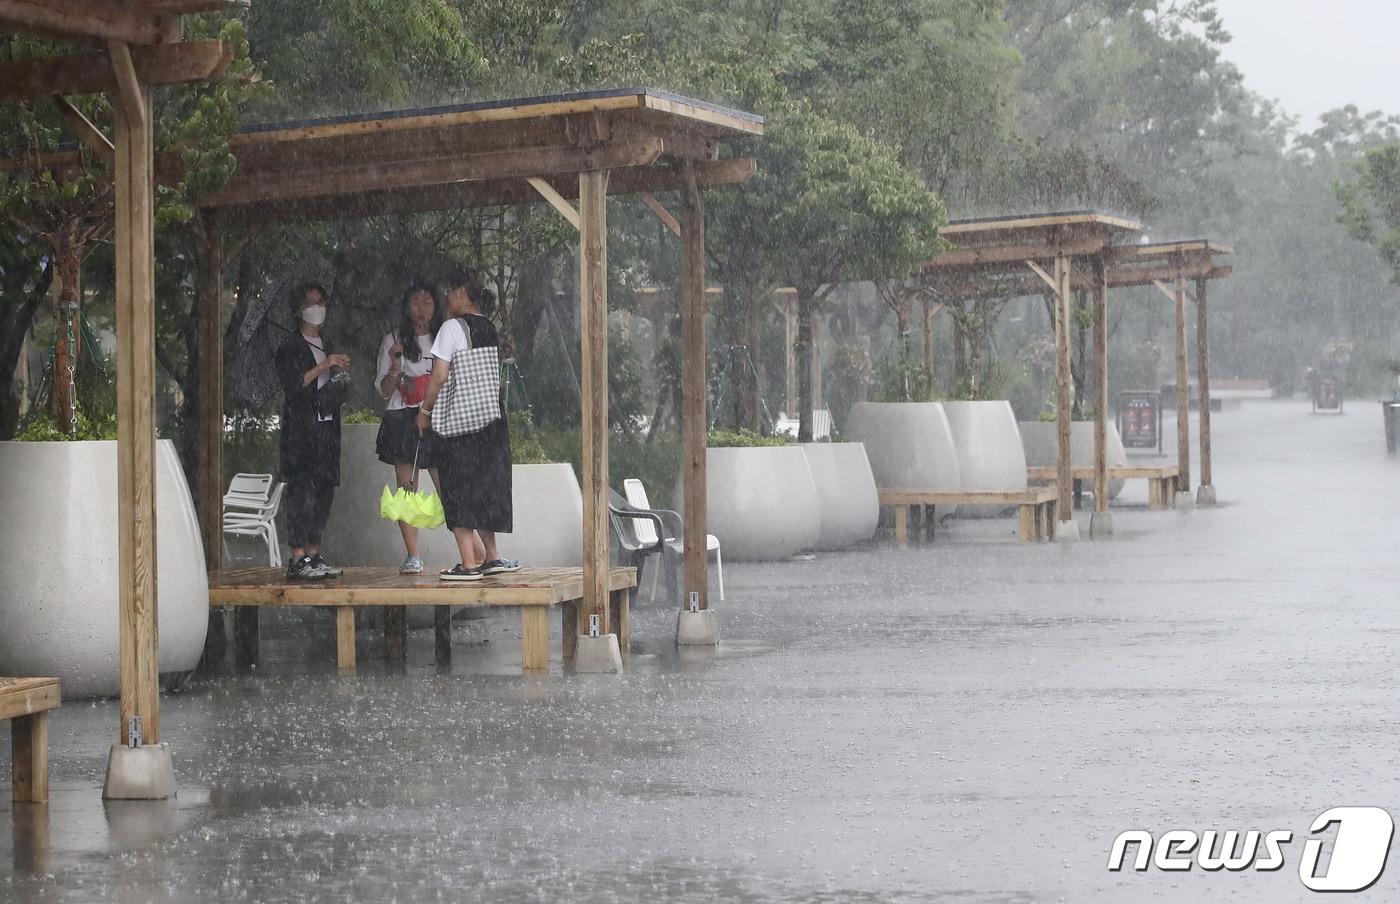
(974, 720)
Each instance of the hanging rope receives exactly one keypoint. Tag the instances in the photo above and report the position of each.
(72, 309)
(726, 381)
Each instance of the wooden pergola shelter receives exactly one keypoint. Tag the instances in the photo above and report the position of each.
(576, 147)
(560, 150)
(1026, 255)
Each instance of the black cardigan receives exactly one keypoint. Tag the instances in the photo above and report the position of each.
(310, 447)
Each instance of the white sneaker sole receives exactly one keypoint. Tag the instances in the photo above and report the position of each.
(460, 578)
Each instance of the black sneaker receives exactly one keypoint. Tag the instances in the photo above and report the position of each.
(298, 568)
(499, 566)
(324, 569)
(458, 573)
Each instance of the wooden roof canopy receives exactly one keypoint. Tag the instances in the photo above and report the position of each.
(478, 154)
(989, 256)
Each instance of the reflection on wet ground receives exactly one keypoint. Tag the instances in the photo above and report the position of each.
(969, 721)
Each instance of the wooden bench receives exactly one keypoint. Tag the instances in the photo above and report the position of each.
(534, 591)
(1161, 480)
(26, 702)
(1036, 505)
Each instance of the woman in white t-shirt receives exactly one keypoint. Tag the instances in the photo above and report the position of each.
(405, 367)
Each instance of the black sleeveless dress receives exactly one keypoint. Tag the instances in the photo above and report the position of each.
(476, 467)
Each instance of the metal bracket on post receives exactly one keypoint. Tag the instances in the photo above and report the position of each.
(133, 731)
(695, 601)
(593, 623)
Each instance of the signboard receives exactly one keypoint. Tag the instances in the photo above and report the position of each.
(1140, 419)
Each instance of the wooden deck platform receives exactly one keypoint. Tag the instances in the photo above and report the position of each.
(26, 703)
(1036, 504)
(1161, 480)
(532, 590)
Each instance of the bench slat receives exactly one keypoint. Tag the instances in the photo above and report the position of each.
(26, 696)
(1029, 496)
(372, 587)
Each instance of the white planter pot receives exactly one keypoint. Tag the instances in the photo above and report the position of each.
(548, 515)
(989, 450)
(850, 503)
(59, 570)
(763, 504)
(1040, 440)
(909, 444)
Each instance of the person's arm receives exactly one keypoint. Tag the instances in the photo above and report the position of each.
(435, 384)
(289, 372)
(390, 367)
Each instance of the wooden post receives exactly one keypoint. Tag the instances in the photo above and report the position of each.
(345, 637)
(29, 749)
(694, 392)
(136, 393)
(1064, 386)
(1203, 378)
(790, 357)
(209, 412)
(593, 328)
(1100, 385)
(929, 311)
(1183, 388)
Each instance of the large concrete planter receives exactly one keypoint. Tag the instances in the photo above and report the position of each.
(989, 450)
(1041, 443)
(909, 444)
(548, 517)
(763, 504)
(850, 503)
(58, 573)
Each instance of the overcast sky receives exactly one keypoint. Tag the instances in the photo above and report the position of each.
(1316, 55)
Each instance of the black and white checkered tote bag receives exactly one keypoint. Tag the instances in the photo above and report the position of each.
(471, 397)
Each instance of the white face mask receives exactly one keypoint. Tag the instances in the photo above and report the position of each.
(314, 314)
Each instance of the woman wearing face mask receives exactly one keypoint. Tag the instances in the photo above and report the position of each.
(475, 467)
(405, 366)
(312, 381)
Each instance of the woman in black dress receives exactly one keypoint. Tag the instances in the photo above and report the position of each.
(475, 468)
(312, 381)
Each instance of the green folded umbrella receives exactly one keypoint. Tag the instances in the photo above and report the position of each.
(411, 507)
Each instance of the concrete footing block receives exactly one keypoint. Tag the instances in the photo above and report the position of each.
(599, 655)
(697, 629)
(139, 773)
(1205, 495)
(1100, 525)
(1066, 532)
(1185, 502)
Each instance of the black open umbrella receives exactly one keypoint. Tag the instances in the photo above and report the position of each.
(270, 319)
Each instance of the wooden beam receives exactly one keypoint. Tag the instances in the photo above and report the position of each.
(182, 7)
(1099, 273)
(1046, 277)
(1203, 377)
(1172, 293)
(1064, 387)
(660, 210)
(280, 185)
(978, 255)
(695, 384)
(1183, 393)
(1008, 284)
(556, 200)
(209, 401)
(593, 328)
(103, 20)
(91, 73)
(136, 393)
(85, 131)
(466, 195)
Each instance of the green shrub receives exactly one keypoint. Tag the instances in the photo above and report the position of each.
(43, 428)
(743, 439)
(361, 416)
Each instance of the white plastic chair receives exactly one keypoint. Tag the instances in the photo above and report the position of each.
(646, 532)
(249, 492)
(822, 424)
(258, 522)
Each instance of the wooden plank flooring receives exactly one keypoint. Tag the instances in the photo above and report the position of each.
(386, 587)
